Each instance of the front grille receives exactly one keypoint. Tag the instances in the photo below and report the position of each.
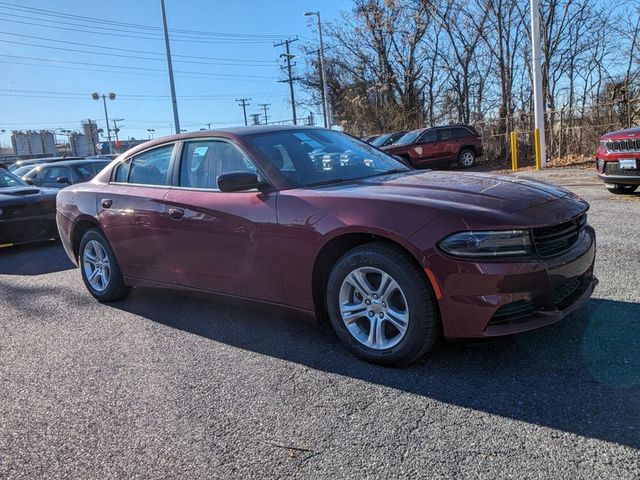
(612, 168)
(566, 292)
(556, 239)
(628, 145)
(513, 312)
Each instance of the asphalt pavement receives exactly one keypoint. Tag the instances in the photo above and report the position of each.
(166, 385)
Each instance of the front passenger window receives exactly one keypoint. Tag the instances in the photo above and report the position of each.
(203, 161)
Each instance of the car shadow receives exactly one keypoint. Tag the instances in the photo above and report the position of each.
(581, 375)
(28, 259)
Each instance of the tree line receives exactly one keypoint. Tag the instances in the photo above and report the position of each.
(402, 64)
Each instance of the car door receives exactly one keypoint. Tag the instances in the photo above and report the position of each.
(448, 144)
(133, 215)
(222, 242)
(425, 148)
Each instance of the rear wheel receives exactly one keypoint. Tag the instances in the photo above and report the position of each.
(99, 268)
(621, 189)
(381, 306)
(466, 158)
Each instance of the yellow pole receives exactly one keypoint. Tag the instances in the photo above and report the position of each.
(537, 148)
(514, 152)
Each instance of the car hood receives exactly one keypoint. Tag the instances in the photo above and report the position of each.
(622, 134)
(26, 194)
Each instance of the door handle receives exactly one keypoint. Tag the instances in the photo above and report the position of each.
(176, 213)
(106, 203)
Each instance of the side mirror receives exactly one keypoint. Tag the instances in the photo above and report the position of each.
(63, 180)
(29, 181)
(237, 181)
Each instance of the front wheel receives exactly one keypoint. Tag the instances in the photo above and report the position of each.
(466, 158)
(99, 268)
(381, 305)
(622, 189)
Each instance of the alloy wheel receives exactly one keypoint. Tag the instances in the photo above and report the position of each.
(467, 159)
(374, 308)
(97, 269)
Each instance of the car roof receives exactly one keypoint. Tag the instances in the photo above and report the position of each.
(70, 163)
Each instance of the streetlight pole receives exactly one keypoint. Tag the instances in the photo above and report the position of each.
(325, 94)
(176, 120)
(111, 96)
(538, 102)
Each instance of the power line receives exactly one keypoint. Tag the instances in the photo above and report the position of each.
(136, 26)
(243, 102)
(147, 52)
(229, 75)
(120, 55)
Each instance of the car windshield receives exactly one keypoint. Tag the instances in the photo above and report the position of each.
(314, 157)
(8, 180)
(408, 138)
(378, 142)
(22, 171)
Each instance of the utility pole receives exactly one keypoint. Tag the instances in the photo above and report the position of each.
(255, 118)
(265, 107)
(323, 76)
(176, 119)
(288, 56)
(115, 126)
(538, 101)
(243, 102)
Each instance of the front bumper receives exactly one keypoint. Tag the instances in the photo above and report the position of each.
(620, 179)
(486, 299)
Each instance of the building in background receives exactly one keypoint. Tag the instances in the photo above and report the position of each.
(90, 129)
(81, 145)
(33, 143)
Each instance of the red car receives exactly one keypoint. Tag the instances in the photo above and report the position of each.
(439, 146)
(618, 160)
(394, 256)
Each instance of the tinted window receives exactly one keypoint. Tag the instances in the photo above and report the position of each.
(86, 171)
(313, 157)
(461, 132)
(151, 167)
(51, 174)
(446, 134)
(429, 136)
(203, 162)
(409, 137)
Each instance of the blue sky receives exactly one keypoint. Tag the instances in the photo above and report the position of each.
(44, 87)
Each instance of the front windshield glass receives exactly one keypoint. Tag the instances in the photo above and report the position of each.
(22, 171)
(408, 138)
(9, 180)
(314, 157)
(378, 142)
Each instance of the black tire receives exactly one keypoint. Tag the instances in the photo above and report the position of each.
(116, 288)
(466, 158)
(622, 189)
(423, 320)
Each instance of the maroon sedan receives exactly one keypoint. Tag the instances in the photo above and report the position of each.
(320, 222)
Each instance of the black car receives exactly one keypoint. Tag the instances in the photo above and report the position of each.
(36, 161)
(27, 213)
(63, 174)
(386, 139)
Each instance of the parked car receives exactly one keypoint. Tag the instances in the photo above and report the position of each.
(394, 256)
(618, 161)
(63, 174)
(37, 161)
(27, 213)
(369, 138)
(439, 146)
(386, 139)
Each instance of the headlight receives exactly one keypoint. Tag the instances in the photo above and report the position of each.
(508, 243)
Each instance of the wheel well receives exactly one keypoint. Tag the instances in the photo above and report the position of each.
(329, 255)
(468, 147)
(78, 232)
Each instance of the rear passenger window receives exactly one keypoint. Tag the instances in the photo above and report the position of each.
(148, 168)
(446, 134)
(461, 132)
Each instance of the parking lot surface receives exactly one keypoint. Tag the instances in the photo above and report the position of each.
(171, 385)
